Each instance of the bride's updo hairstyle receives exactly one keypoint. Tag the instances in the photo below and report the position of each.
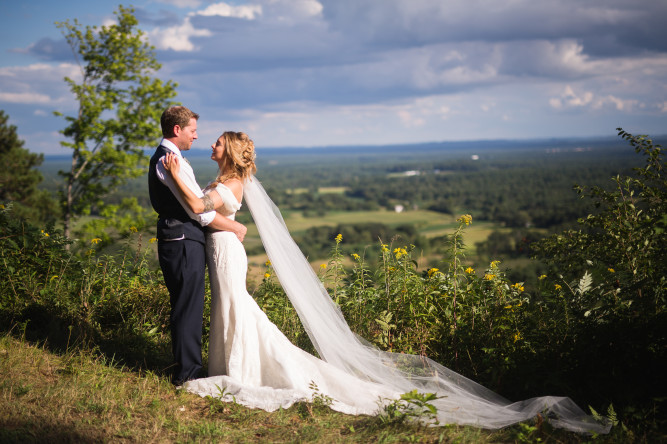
(239, 160)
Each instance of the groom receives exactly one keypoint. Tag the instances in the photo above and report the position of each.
(181, 241)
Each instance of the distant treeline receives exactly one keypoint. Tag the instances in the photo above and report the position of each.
(516, 184)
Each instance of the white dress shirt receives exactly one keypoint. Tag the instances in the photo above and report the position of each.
(188, 176)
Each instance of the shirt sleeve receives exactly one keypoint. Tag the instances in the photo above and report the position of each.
(188, 177)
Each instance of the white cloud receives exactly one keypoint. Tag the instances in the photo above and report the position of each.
(37, 84)
(181, 3)
(248, 12)
(177, 38)
(26, 98)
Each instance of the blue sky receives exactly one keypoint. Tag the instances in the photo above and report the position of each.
(351, 72)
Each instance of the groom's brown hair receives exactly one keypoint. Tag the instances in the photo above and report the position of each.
(175, 115)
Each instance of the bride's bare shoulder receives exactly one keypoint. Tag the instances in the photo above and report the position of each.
(236, 186)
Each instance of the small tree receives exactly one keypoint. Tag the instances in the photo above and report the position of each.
(19, 178)
(120, 104)
(623, 244)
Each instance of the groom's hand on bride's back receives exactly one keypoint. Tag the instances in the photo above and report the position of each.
(240, 231)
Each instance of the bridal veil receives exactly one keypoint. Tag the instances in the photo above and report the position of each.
(461, 400)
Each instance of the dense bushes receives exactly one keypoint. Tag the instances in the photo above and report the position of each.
(110, 302)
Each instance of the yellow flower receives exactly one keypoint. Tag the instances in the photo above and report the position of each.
(45, 233)
(518, 286)
(355, 256)
(517, 336)
(470, 270)
(153, 240)
(494, 264)
(339, 238)
(544, 276)
(432, 271)
(384, 248)
(400, 252)
(96, 241)
(489, 277)
(557, 287)
(465, 219)
(323, 266)
(507, 307)
(133, 229)
(2, 207)
(267, 263)
(611, 270)
(267, 275)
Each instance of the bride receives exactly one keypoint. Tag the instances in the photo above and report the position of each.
(253, 363)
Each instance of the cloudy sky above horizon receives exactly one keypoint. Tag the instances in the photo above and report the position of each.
(356, 72)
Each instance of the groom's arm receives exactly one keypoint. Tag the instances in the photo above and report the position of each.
(223, 224)
(187, 176)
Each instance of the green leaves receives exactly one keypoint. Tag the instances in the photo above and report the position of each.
(120, 103)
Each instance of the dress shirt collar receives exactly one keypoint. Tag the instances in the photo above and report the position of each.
(171, 146)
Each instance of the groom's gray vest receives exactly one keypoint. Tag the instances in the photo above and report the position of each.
(174, 222)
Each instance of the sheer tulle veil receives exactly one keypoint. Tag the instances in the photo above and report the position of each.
(461, 400)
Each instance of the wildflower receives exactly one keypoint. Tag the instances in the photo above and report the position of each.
(2, 207)
(611, 270)
(355, 256)
(507, 307)
(465, 219)
(518, 336)
(339, 238)
(384, 248)
(267, 263)
(96, 241)
(470, 270)
(544, 276)
(267, 275)
(432, 271)
(494, 264)
(518, 286)
(153, 240)
(45, 233)
(489, 277)
(133, 229)
(557, 287)
(323, 266)
(400, 252)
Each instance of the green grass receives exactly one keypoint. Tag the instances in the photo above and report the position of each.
(83, 396)
(421, 219)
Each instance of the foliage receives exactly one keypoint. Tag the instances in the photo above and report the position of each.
(119, 110)
(19, 177)
(411, 406)
(89, 301)
(580, 333)
(610, 278)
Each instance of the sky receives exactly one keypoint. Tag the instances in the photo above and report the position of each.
(312, 73)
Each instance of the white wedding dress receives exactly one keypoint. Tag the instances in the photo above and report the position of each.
(252, 363)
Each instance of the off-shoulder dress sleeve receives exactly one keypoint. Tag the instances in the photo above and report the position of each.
(229, 202)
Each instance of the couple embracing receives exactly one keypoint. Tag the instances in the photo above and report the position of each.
(250, 360)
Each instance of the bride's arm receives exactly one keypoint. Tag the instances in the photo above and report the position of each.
(209, 202)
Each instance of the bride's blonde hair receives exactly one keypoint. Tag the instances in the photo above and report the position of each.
(239, 160)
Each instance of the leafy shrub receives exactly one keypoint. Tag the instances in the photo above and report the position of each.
(114, 302)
